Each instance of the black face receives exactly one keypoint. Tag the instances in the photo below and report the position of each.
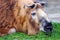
(47, 26)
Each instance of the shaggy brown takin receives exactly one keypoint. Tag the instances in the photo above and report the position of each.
(15, 18)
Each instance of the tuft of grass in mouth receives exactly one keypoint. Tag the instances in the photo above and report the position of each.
(40, 36)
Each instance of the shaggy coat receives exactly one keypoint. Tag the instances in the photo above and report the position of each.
(13, 17)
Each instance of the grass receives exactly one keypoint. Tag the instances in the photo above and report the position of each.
(40, 36)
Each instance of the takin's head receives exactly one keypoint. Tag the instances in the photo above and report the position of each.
(45, 24)
(38, 15)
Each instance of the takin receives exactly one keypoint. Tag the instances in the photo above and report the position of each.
(15, 16)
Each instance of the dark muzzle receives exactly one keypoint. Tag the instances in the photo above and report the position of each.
(47, 26)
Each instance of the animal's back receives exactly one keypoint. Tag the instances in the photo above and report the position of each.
(6, 14)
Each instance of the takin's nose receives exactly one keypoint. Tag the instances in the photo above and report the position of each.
(48, 28)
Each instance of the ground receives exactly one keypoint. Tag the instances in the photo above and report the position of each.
(40, 36)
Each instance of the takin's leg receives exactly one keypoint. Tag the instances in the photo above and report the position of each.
(3, 31)
(6, 31)
(12, 30)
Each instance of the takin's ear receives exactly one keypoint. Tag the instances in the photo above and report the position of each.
(38, 5)
(29, 6)
(32, 6)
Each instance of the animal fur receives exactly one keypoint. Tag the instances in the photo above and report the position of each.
(14, 17)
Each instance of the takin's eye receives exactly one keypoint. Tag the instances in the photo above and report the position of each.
(33, 14)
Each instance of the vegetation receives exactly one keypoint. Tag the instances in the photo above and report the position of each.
(40, 36)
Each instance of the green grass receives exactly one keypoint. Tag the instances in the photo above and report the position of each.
(40, 36)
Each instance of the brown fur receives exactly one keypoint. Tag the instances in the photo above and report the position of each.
(13, 15)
